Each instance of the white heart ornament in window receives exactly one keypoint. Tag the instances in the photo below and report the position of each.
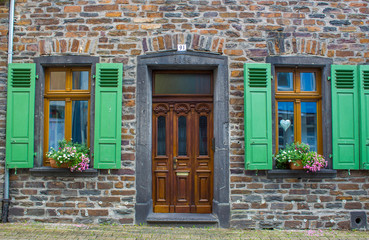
(285, 124)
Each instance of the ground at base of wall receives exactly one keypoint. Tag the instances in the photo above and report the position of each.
(42, 231)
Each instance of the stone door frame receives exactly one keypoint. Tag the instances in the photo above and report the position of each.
(182, 61)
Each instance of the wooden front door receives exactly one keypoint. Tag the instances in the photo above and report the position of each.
(182, 156)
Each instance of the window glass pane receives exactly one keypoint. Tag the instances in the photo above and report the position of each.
(80, 80)
(285, 124)
(57, 80)
(182, 136)
(203, 143)
(56, 122)
(79, 121)
(308, 82)
(174, 83)
(161, 136)
(285, 81)
(309, 124)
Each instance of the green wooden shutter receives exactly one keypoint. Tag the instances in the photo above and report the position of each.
(258, 116)
(364, 116)
(345, 117)
(20, 115)
(108, 116)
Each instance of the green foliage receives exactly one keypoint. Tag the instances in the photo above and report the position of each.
(75, 155)
(310, 160)
(292, 153)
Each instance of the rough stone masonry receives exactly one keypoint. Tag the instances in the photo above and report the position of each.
(244, 31)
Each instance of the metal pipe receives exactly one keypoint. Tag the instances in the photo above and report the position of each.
(4, 215)
(11, 31)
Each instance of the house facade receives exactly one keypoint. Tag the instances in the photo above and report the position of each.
(183, 104)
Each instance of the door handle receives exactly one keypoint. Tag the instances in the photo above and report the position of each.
(174, 163)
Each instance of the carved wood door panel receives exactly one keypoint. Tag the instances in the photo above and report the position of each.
(182, 157)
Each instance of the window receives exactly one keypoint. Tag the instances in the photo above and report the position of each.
(63, 103)
(182, 82)
(66, 106)
(298, 103)
(298, 108)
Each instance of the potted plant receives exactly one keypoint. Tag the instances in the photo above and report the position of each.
(314, 162)
(297, 156)
(70, 155)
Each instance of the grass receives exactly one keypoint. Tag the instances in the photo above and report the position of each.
(44, 231)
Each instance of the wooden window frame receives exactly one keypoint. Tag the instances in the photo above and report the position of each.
(68, 95)
(297, 96)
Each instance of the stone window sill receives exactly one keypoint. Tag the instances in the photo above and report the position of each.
(61, 172)
(286, 173)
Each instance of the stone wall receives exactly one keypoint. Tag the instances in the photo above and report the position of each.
(108, 198)
(259, 202)
(244, 31)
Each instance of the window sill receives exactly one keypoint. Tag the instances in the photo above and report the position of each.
(286, 173)
(61, 172)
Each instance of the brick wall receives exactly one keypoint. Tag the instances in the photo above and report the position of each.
(243, 30)
(258, 202)
(108, 198)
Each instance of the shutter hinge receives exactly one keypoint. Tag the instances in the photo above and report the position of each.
(35, 154)
(37, 77)
(93, 76)
(329, 78)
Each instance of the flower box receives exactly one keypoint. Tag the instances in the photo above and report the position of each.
(297, 156)
(54, 164)
(70, 155)
(297, 165)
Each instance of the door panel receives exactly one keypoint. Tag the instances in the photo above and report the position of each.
(182, 173)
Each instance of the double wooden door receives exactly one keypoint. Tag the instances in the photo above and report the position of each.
(182, 157)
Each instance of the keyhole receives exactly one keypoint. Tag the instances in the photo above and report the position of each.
(358, 220)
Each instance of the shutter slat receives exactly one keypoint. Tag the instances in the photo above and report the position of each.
(344, 78)
(20, 77)
(20, 115)
(257, 77)
(345, 117)
(109, 78)
(258, 116)
(108, 115)
(365, 77)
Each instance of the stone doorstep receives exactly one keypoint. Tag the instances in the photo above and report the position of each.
(185, 219)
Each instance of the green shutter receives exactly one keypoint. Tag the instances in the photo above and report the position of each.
(258, 116)
(364, 116)
(345, 117)
(20, 115)
(108, 116)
